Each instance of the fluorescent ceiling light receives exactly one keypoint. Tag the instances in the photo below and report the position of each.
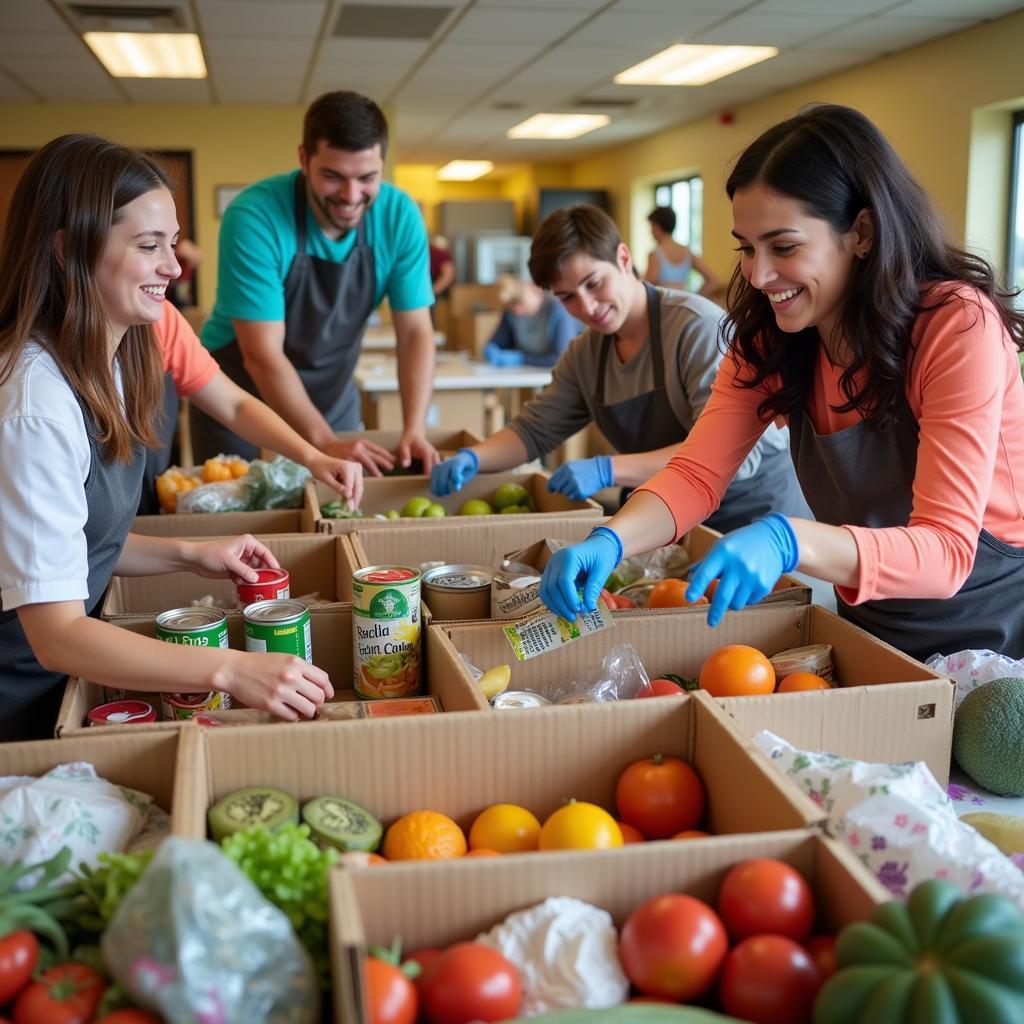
(693, 65)
(148, 54)
(557, 126)
(464, 170)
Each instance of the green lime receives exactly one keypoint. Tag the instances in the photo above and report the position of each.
(476, 507)
(415, 507)
(434, 511)
(509, 494)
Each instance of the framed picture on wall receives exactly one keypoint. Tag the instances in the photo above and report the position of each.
(222, 196)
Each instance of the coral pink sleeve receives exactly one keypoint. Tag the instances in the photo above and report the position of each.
(191, 367)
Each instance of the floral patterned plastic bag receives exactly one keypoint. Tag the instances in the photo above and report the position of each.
(971, 669)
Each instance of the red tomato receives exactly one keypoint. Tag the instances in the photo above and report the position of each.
(672, 947)
(630, 834)
(470, 982)
(425, 958)
(130, 1017)
(390, 995)
(610, 600)
(660, 796)
(662, 688)
(19, 952)
(765, 896)
(823, 952)
(66, 994)
(769, 979)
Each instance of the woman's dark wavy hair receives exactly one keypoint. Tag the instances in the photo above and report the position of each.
(835, 162)
(79, 184)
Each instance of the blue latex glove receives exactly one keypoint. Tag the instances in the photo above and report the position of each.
(590, 562)
(498, 356)
(747, 563)
(451, 474)
(581, 478)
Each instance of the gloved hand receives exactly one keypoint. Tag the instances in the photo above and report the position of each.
(590, 562)
(581, 478)
(747, 563)
(498, 356)
(451, 474)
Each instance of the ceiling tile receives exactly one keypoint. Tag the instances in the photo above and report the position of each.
(30, 16)
(252, 48)
(260, 87)
(847, 8)
(166, 90)
(580, 5)
(888, 33)
(514, 25)
(60, 82)
(42, 44)
(778, 30)
(977, 9)
(294, 18)
(11, 91)
(652, 29)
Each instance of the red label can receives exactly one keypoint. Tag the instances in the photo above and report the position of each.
(122, 712)
(271, 585)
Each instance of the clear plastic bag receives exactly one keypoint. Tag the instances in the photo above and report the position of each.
(971, 669)
(195, 940)
(224, 496)
(266, 485)
(671, 561)
(620, 676)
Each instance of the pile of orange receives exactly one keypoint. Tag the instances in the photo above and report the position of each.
(737, 670)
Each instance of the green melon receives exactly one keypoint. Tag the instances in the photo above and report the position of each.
(988, 736)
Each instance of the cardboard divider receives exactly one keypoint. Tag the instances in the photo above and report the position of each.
(887, 706)
(382, 494)
(228, 524)
(332, 651)
(436, 904)
(317, 565)
(447, 442)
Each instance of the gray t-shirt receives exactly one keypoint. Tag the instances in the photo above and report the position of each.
(689, 335)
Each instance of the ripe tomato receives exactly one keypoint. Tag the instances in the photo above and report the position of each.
(610, 599)
(737, 671)
(19, 952)
(823, 952)
(390, 995)
(662, 688)
(797, 681)
(673, 946)
(671, 593)
(765, 896)
(66, 994)
(691, 833)
(425, 958)
(769, 979)
(580, 826)
(630, 834)
(130, 1017)
(471, 982)
(660, 796)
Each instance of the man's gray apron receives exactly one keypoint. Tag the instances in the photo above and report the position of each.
(158, 459)
(863, 477)
(646, 422)
(30, 695)
(327, 305)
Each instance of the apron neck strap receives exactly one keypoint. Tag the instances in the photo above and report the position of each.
(654, 336)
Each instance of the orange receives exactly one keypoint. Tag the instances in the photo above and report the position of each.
(737, 671)
(671, 593)
(424, 835)
(506, 828)
(803, 681)
(482, 852)
(631, 834)
(361, 859)
(580, 826)
(690, 833)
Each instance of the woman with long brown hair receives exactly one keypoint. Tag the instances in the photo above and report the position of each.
(87, 257)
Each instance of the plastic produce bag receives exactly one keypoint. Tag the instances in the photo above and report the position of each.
(224, 496)
(620, 676)
(195, 940)
(971, 669)
(279, 483)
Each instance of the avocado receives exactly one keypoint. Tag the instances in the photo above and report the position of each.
(987, 735)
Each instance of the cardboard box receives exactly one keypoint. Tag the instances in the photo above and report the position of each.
(332, 651)
(447, 442)
(437, 904)
(317, 565)
(887, 707)
(224, 524)
(380, 495)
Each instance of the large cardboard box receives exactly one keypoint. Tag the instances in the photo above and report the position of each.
(887, 706)
(318, 567)
(332, 651)
(382, 494)
(447, 442)
(208, 524)
(434, 905)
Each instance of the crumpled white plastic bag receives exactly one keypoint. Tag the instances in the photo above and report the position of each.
(971, 669)
(898, 820)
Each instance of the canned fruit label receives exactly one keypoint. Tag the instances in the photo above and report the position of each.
(545, 631)
(386, 632)
(194, 627)
(179, 707)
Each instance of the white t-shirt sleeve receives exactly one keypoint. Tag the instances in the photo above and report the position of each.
(43, 508)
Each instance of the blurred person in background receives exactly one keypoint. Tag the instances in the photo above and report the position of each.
(534, 329)
(670, 264)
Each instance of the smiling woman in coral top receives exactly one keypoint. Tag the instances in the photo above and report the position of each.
(892, 355)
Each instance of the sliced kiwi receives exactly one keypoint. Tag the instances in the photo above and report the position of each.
(335, 821)
(258, 805)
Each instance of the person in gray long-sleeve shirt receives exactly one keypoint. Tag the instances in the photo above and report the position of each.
(642, 371)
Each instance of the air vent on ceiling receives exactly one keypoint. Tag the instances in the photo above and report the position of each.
(597, 102)
(363, 21)
(111, 18)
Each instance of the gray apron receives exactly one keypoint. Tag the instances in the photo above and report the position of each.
(861, 477)
(30, 695)
(646, 422)
(327, 305)
(158, 459)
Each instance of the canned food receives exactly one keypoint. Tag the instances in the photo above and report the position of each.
(458, 591)
(814, 658)
(195, 627)
(119, 712)
(281, 627)
(386, 631)
(514, 699)
(271, 585)
(515, 590)
(179, 707)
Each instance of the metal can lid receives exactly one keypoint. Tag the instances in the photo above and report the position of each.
(512, 699)
(267, 576)
(385, 574)
(120, 711)
(458, 577)
(274, 609)
(185, 620)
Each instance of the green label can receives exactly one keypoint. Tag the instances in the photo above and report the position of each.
(278, 625)
(386, 631)
(194, 627)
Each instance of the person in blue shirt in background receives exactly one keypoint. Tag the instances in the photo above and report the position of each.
(305, 257)
(534, 330)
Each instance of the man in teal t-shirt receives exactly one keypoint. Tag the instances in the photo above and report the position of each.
(305, 257)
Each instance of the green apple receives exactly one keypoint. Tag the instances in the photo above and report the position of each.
(393, 513)
(476, 507)
(509, 494)
(434, 511)
(415, 507)
(515, 510)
